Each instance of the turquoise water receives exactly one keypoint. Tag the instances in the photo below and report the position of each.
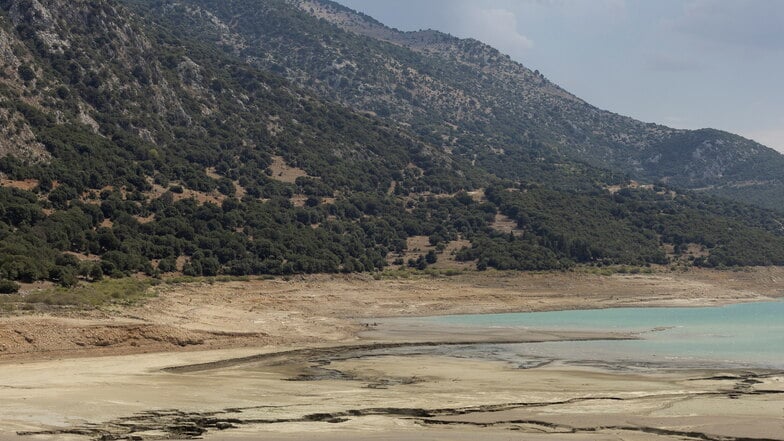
(742, 335)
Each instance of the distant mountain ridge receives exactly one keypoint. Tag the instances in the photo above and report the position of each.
(474, 100)
(708, 159)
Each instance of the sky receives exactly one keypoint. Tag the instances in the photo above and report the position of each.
(682, 63)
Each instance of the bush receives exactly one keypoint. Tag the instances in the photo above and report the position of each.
(167, 265)
(8, 287)
(91, 271)
(26, 73)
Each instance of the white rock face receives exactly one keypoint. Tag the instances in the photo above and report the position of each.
(9, 60)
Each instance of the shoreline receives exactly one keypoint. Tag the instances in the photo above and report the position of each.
(323, 309)
(291, 360)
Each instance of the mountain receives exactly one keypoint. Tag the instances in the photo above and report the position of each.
(471, 99)
(144, 136)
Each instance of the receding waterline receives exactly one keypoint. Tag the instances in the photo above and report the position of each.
(740, 335)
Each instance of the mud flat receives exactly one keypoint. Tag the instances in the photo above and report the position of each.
(380, 391)
(314, 358)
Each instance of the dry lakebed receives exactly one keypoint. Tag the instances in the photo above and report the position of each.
(351, 357)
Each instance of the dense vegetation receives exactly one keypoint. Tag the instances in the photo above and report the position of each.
(631, 225)
(155, 152)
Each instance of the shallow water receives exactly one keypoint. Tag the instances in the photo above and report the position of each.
(741, 335)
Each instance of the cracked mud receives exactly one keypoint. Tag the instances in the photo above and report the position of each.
(394, 373)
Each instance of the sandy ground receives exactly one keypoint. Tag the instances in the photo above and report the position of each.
(314, 309)
(96, 373)
(379, 397)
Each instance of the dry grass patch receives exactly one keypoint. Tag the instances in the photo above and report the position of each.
(239, 190)
(24, 184)
(420, 245)
(84, 257)
(447, 259)
(145, 219)
(126, 291)
(284, 172)
(201, 197)
(506, 225)
(478, 195)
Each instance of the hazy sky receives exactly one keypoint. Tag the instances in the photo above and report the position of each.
(685, 63)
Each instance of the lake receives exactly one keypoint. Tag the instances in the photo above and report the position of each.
(740, 335)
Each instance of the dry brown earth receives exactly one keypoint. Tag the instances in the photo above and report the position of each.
(106, 373)
(325, 308)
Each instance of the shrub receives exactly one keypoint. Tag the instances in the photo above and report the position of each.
(8, 287)
(26, 73)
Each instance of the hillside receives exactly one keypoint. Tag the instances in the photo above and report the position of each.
(133, 143)
(469, 98)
